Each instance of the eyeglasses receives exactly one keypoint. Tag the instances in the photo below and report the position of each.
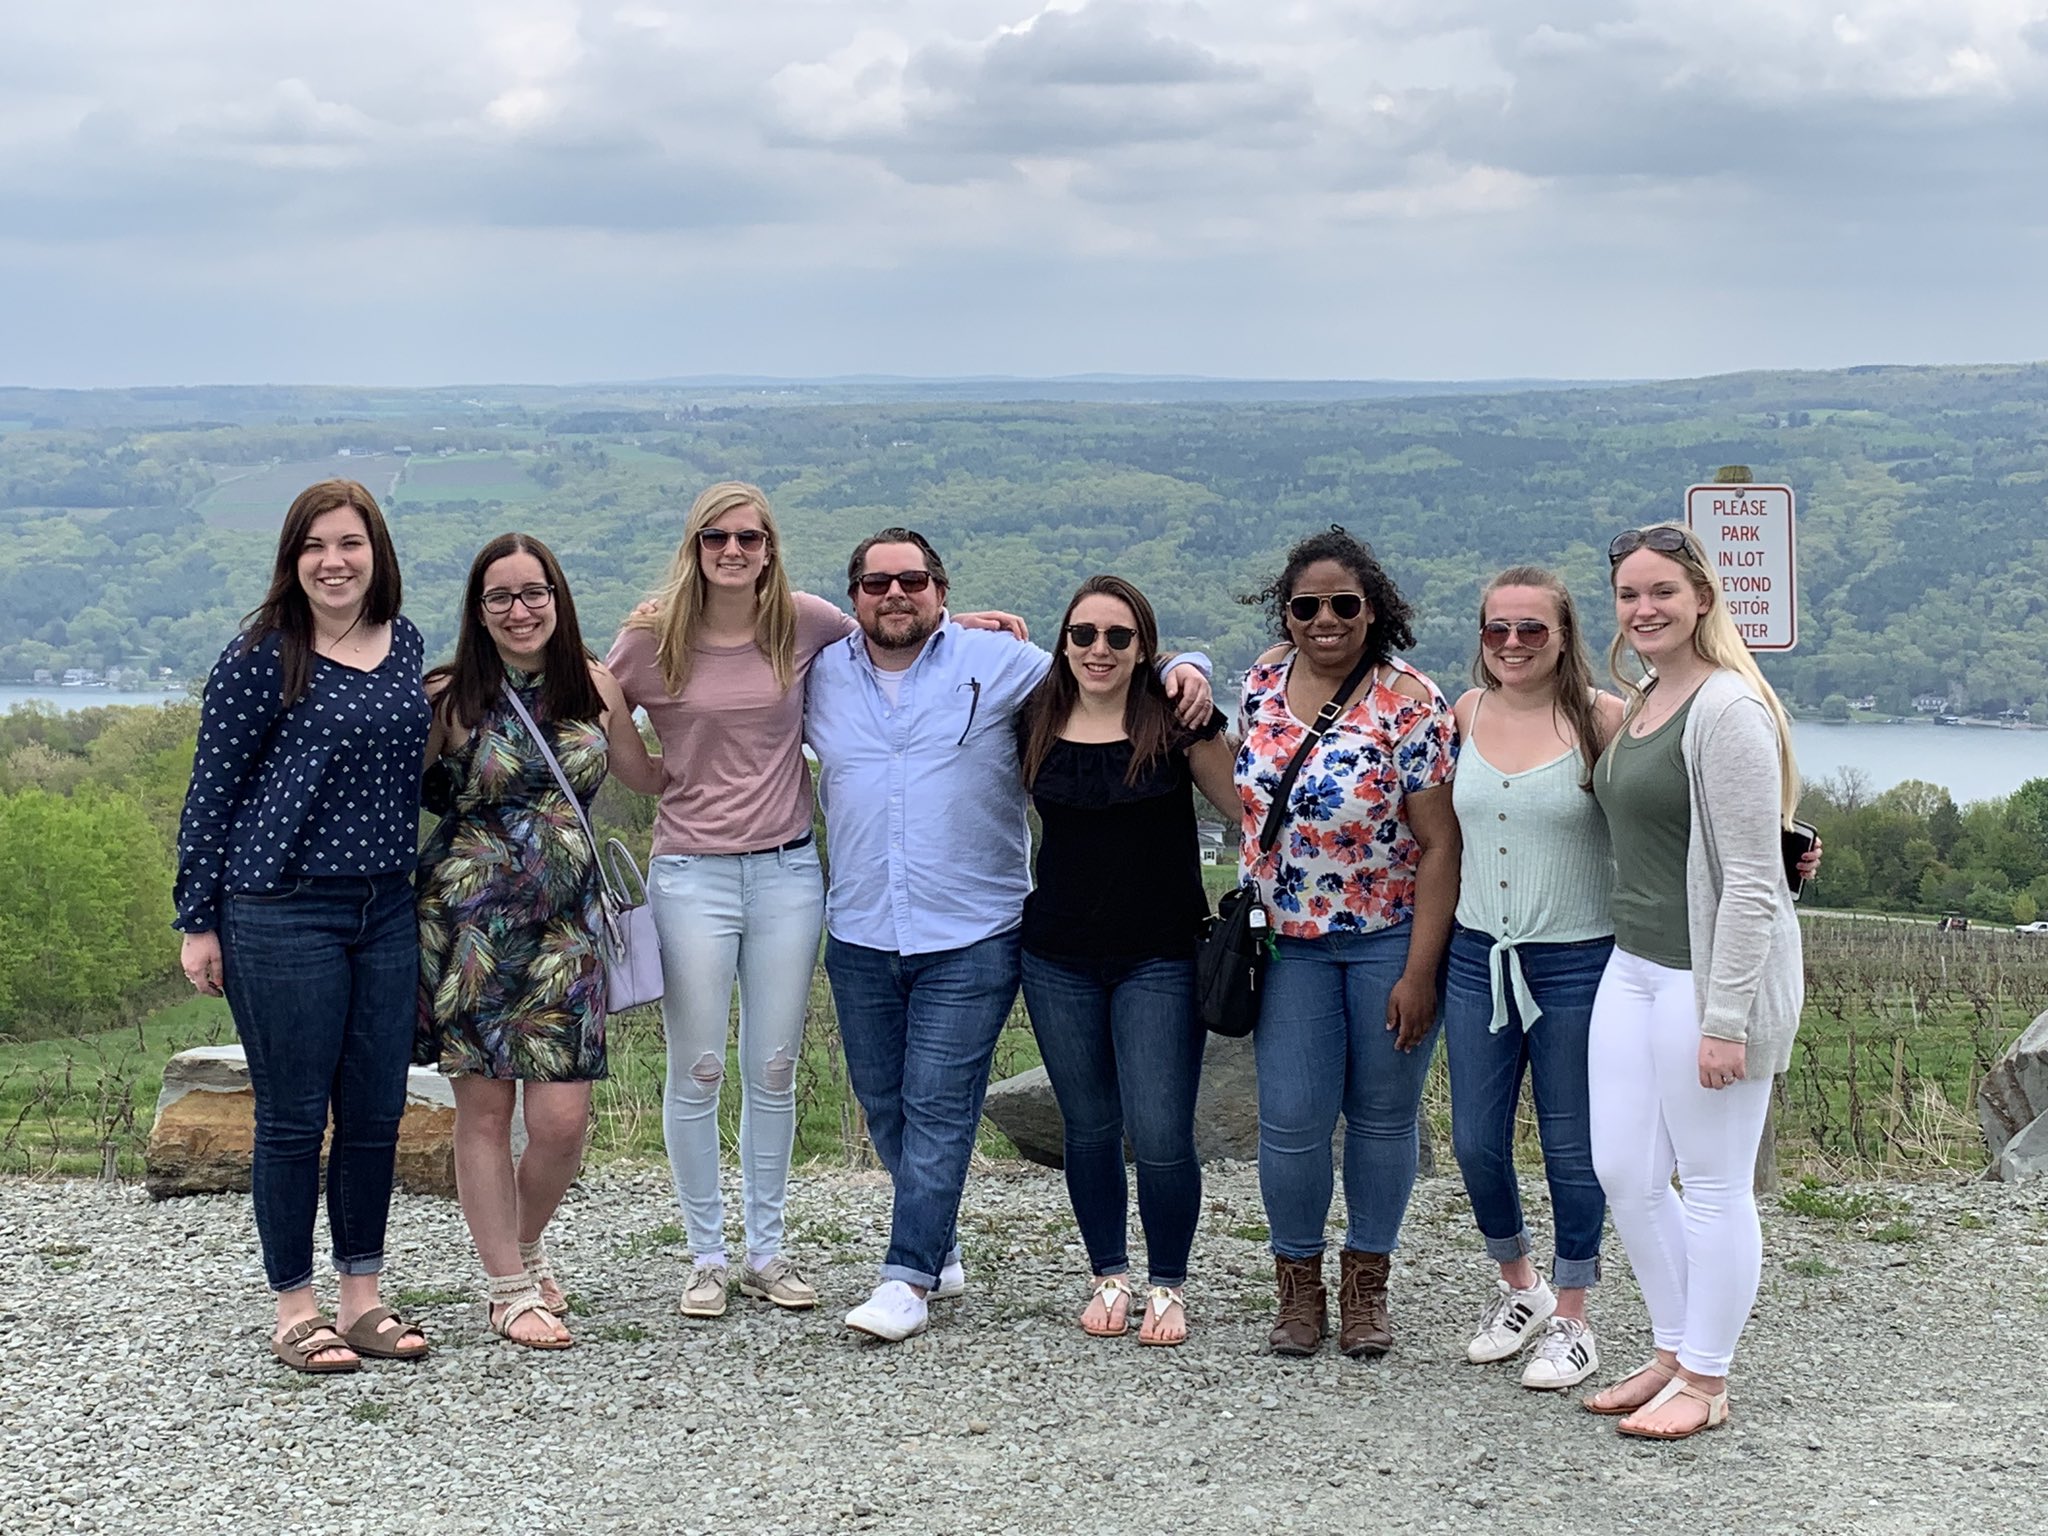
(535, 597)
(877, 583)
(1306, 605)
(749, 539)
(1119, 636)
(1531, 634)
(1665, 540)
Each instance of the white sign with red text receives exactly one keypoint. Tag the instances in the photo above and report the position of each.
(1747, 531)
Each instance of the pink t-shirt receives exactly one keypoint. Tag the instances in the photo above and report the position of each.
(732, 744)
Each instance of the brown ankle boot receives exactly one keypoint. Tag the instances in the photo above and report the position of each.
(1363, 1326)
(1304, 1307)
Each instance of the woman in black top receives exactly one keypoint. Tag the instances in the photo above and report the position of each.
(294, 893)
(1109, 940)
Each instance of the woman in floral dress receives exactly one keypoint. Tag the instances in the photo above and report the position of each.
(512, 986)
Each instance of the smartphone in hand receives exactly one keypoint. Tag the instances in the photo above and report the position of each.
(1797, 841)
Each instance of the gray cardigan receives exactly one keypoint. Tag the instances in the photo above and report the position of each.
(1748, 972)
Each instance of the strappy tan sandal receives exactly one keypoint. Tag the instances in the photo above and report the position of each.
(368, 1337)
(541, 1272)
(1716, 1405)
(297, 1348)
(1110, 1289)
(518, 1295)
(1653, 1366)
(1157, 1301)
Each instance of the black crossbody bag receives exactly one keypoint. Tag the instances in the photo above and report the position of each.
(1237, 943)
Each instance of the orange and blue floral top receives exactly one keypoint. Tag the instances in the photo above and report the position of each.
(1345, 861)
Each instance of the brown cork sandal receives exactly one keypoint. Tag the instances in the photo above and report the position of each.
(367, 1336)
(298, 1348)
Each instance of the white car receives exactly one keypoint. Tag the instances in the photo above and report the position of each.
(2036, 928)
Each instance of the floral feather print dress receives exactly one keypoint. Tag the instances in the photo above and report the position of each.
(511, 981)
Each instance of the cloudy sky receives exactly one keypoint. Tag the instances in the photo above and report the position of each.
(430, 191)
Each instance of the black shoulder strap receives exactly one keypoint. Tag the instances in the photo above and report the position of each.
(1327, 716)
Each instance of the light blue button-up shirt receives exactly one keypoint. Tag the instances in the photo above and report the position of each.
(924, 803)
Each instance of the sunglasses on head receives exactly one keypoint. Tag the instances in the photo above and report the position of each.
(876, 583)
(1531, 634)
(1119, 636)
(749, 539)
(1306, 605)
(1664, 540)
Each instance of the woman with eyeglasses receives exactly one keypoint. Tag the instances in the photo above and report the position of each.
(1109, 941)
(1359, 887)
(718, 661)
(1700, 1000)
(1531, 942)
(511, 984)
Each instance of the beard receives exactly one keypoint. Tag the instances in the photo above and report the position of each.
(900, 629)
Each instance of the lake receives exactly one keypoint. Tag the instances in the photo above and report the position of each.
(71, 700)
(1971, 762)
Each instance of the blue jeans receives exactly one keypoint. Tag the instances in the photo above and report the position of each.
(1123, 1047)
(1486, 1084)
(754, 918)
(920, 1032)
(322, 976)
(1323, 1048)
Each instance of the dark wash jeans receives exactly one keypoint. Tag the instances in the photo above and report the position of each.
(323, 979)
(1486, 1084)
(1123, 1046)
(920, 1032)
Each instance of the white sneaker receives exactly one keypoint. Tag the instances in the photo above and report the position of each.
(893, 1313)
(952, 1283)
(1510, 1321)
(1566, 1356)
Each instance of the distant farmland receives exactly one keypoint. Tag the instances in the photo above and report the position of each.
(255, 496)
(470, 477)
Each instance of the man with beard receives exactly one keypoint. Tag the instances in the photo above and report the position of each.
(914, 724)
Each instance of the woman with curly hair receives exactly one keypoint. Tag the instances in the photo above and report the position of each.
(1359, 888)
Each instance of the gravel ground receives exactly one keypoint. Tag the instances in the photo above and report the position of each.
(1894, 1380)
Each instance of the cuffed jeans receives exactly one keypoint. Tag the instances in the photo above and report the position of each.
(1122, 1044)
(1323, 1048)
(754, 918)
(1486, 1071)
(322, 977)
(920, 1032)
(1698, 1259)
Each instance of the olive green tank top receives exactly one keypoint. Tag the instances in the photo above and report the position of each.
(1642, 786)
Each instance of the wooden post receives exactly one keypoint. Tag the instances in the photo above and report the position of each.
(1764, 1180)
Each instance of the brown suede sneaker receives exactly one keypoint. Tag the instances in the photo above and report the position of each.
(1363, 1326)
(1304, 1307)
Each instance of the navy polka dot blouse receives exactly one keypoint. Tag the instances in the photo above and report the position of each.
(330, 786)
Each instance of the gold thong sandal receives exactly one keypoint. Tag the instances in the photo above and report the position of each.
(1110, 1290)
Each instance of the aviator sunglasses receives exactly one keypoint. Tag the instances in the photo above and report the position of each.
(1531, 634)
(750, 539)
(1664, 540)
(876, 583)
(1306, 605)
(1119, 636)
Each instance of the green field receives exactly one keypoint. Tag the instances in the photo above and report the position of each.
(431, 479)
(253, 497)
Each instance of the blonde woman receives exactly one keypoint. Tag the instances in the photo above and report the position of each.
(718, 660)
(1697, 1008)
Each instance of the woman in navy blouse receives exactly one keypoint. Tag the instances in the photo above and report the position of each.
(294, 893)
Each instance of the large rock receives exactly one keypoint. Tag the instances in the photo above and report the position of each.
(206, 1124)
(2014, 1093)
(1226, 1111)
(2026, 1155)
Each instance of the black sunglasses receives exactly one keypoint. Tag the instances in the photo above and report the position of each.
(1119, 636)
(1533, 634)
(1664, 540)
(1306, 605)
(876, 583)
(536, 597)
(750, 539)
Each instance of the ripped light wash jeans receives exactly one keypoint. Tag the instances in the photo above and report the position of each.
(755, 918)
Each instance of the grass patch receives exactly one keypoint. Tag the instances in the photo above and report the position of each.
(369, 1413)
(1896, 1231)
(1814, 1199)
(667, 1235)
(1809, 1268)
(1970, 1221)
(620, 1333)
(1252, 1232)
(430, 1296)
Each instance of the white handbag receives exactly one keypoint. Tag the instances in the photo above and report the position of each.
(628, 943)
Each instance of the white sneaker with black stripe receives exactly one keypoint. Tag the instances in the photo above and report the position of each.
(1510, 1321)
(1566, 1356)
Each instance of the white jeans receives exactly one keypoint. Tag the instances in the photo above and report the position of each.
(1697, 1259)
(754, 917)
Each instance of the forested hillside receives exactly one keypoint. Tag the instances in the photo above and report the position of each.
(136, 526)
